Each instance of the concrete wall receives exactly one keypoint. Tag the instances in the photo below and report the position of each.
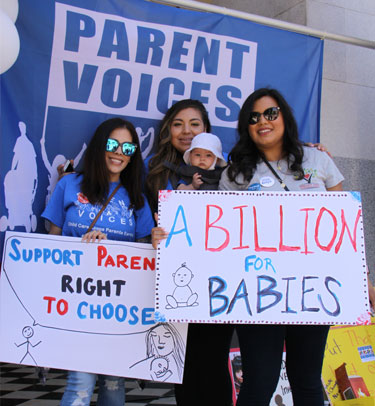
(348, 89)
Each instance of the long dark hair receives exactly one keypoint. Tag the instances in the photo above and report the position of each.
(158, 175)
(245, 155)
(95, 182)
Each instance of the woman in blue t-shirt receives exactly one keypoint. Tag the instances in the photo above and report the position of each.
(112, 160)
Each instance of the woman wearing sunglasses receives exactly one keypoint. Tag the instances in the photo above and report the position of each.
(269, 156)
(113, 166)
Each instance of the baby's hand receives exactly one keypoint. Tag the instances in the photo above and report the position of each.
(197, 181)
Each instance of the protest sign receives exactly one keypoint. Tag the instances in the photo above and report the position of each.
(261, 257)
(86, 307)
(353, 346)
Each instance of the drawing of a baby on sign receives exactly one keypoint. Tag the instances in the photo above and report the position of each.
(183, 295)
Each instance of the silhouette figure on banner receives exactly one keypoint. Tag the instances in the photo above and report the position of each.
(28, 332)
(149, 136)
(53, 175)
(20, 184)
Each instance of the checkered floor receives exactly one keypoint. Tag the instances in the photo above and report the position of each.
(19, 385)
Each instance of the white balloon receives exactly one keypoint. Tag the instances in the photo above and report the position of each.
(9, 42)
(10, 8)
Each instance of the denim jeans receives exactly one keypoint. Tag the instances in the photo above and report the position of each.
(80, 387)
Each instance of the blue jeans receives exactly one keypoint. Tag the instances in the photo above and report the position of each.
(80, 387)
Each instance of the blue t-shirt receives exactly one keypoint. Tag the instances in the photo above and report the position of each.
(70, 210)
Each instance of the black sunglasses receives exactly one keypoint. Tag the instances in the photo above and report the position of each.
(127, 148)
(269, 114)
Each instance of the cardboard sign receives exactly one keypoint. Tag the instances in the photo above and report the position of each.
(257, 257)
(85, 307)
(354, 346)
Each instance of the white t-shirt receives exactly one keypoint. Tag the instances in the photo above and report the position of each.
(319, 169)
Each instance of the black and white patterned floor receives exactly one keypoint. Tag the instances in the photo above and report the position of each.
(20, 385)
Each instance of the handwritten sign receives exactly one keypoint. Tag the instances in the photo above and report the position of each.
(354, 346)
(86, 307)
(257, 257)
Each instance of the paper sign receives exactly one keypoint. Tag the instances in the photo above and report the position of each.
(354, 346)
(258, 257)
(86, 307)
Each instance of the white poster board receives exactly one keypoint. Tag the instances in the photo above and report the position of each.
(85, 307)
(261, 257)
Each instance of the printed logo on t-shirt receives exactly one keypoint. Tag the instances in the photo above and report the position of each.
(82, 198)
(115, 211)
(309, 174)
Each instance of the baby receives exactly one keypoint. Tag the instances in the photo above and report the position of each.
(205, 162)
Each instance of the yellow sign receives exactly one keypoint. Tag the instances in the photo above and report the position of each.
(354, 346)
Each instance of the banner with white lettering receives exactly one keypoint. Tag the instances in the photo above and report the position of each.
(262, 257)
(85, 307)
(81, 63)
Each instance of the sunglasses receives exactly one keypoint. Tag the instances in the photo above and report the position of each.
(269, 114)
(127, 148)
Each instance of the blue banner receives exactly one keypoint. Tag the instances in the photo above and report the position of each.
(83, 62)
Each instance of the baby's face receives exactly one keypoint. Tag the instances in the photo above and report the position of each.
(182, 277)
(203, 158)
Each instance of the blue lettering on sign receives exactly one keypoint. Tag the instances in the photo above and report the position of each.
(241, 293)
(268, 291)
(77, 26)
(196, 91)
(304, 292)
(178, 50)
(233, 107)
(144, 92)
(116, 79)
(150, 40)
(237, 58)
(215, 294)
(164, 91)
(114, 39)
(118, 312)
(180, 209)
(57, 256)
(78, 89)
(210, 57)
(287, 308)
(336, 312)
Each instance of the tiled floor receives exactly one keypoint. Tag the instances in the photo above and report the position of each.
(19, 385)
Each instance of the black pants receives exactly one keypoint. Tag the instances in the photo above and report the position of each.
(206, 376)
(261, 354)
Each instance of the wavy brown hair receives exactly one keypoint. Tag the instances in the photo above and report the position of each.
(95, 182)
(158, 174)
(245, 155)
